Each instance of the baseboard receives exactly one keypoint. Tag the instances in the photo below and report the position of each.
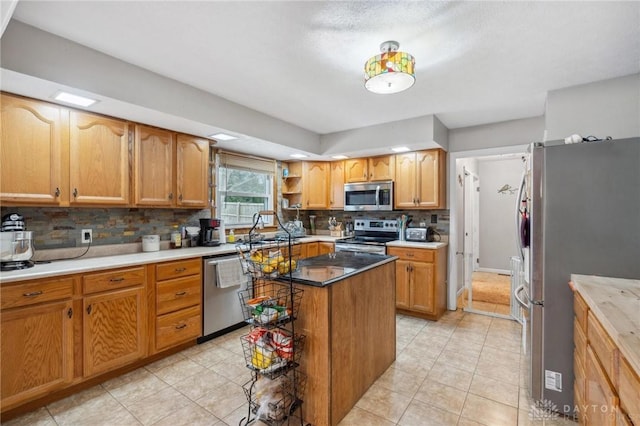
(495, 271)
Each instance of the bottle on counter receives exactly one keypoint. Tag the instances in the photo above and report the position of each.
(232, 237)
(176, 238)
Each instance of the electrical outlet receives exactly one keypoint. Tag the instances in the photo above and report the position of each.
(87, 236)
(423, 224)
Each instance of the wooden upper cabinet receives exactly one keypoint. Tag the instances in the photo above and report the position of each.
(99, 160)
(32, 139)
(369, 169)
(153, 166)
(336, 196)
(192, 186)
(405, 183)
(420, 180)
(430, 168)
(315, 184)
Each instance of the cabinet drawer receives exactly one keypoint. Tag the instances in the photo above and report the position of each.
(580, 309)
(579, 340)
(629, 390)
(112, 280)
(176, 294)
(178, 327)
(603, 346)
(420, 255)
(179, 268)
(13, 296)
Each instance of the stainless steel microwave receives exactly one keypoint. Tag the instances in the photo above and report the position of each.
(368, 196)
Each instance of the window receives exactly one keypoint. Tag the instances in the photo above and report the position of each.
(244, 187)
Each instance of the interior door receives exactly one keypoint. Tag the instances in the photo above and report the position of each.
(470, 213)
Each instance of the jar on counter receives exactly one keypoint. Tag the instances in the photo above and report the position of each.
(176, 238)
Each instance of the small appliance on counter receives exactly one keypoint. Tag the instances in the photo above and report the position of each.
(16, 247)
(427, 234)
(209, 232)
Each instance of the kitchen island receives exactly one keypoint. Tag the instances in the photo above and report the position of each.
(348, 316)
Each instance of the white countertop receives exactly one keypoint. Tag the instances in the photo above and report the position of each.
(416, 244)
(616, 304)
(65, 267)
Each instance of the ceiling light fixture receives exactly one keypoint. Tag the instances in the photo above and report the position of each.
(391, 71)
(339, 157)
(222, 137)
(298, 155)
(400, 149)
(74, 99)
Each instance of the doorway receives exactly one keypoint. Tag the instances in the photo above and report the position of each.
(486, 240)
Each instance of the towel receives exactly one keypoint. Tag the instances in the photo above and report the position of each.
(229, 273)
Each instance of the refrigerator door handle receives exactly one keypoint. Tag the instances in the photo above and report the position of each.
(519, 216)
(516, 295)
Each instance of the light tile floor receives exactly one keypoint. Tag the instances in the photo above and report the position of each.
(465, 369)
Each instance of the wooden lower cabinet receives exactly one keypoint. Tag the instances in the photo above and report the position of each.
(606, 388)
(37, 351)
(420, 281)
(60, 334)
(114, 330)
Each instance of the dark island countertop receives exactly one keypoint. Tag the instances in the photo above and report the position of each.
(329, 268)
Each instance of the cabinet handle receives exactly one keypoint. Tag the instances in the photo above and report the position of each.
(70, 312)
(181, 326)
(182, 293)
(75, 192)
(409, 254)
(171, 195)
(32, 294)
(116, 280)
(417, 200)
(89, 310)
(57, 193)
(181, 269)
(180, 197)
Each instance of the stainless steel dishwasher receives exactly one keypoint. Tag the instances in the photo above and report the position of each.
(221, 311)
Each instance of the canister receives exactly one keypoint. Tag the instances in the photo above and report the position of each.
(150, 242)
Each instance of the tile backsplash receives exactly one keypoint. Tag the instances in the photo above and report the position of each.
(61, 227)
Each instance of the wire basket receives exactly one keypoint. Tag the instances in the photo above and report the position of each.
(272, 352)
(273, 401)
(270, 303)
(266, 261)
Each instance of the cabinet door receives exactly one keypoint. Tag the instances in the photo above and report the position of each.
(326, 248)
(37, 351)
(422, 287)
(192, 167)
(355, 170)
(382, 168)
(309, 250)
(429, 172)
(114, 330)
(402, 284)
(153, 167)
(405, 183)
(30, 144)
(99, 158)
(336, 196)
(315, 183)
(600, 398)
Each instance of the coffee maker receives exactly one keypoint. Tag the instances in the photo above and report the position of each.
(16, 248)
(209, 235)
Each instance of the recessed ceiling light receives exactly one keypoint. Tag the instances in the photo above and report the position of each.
(298, 155)
(222, 137)
(400, 149)
(340, 157)
(74, 99)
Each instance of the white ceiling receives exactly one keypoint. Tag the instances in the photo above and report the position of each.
(302, 61)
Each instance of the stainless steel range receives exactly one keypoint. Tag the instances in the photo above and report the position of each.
(370, 236)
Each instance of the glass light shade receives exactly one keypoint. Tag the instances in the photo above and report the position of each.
(389, 72)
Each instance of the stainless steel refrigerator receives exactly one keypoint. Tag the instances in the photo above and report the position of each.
(582, 202)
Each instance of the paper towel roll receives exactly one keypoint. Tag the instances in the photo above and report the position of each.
(221, 233)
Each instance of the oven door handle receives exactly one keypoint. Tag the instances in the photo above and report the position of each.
(377, 197)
